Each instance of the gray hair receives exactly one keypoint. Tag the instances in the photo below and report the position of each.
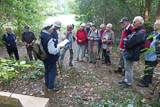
(109, 25)
(139, 18)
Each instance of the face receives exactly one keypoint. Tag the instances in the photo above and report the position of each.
(8, 30)
(57, 28)
(27, 30)
(156, 26)
(137, 23)
(93, 28)
(108, 28)
(69, 28)
(82, 27)
(88, 25)
(124, 24)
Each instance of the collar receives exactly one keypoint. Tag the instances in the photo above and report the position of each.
(44, 31)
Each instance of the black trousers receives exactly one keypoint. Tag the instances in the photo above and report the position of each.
(14, 51)
(29, 52)
(106, 56)
(148, 72)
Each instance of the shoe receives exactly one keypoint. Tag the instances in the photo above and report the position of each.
(125, 85)
(77, 59)
(70, 64)
(122, 82)
(119, 70)
(142, 84)
(90, 62)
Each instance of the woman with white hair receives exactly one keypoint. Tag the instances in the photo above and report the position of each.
(107, 42)
(151, 58)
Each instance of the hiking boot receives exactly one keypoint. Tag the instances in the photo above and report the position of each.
(77, 59)
(119, 70)
(70, 64)
(121, 82)
(125, 85)
(142, 84)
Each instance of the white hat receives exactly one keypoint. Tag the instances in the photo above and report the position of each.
(83, 24)
(57, 24)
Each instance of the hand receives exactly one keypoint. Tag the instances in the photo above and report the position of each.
(61, 47)
(25, 43)
(158, 59)
(91, 39)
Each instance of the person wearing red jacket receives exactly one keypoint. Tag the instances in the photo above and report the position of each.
(81, 41)
(127, 29)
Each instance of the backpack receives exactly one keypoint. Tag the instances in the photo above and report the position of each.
(39, 51)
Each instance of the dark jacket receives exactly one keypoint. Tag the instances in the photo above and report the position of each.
(55, 35)
(133, 43)
(10, 40)
(51, 59)
(28, 37)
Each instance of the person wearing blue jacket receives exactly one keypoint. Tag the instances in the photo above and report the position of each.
(151, 58)
(50, 47)
(9, 40)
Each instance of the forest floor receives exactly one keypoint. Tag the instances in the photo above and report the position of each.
(85, 85)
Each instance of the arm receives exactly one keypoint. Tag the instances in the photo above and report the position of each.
(51, 48)
(138, 39)
(5, 40)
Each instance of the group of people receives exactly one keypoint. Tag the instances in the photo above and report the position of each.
(91, 42)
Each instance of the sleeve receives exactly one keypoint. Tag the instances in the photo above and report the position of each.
(23, 39)
(138, 39)
(4, 40)
(77, 36)
(34, 36)
(51, 48)
(113, 37)
(15, 38)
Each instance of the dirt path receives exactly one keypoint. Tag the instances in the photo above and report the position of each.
(81, 85)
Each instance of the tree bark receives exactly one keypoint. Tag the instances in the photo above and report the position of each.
(158, 11)
(147, 9)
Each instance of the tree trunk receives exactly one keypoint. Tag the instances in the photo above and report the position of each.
(158, 11)
(147, 9)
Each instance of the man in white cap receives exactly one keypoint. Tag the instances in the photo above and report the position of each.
(57, 25)
(81, 41)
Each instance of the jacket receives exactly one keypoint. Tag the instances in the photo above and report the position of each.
(10, 40)
(133, 44)
(152, 55)
(96, 36)
(28, 37)
(45, 39)
(70, 38)
(81, 35)
(125, 32)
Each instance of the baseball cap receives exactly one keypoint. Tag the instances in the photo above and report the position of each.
(124, 19)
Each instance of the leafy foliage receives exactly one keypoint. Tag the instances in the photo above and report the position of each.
(11, 69)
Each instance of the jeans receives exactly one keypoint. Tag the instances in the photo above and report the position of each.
(80, 48)
(12, 50)
(93, 52)
(50, 75)
(63, 54)
(148, 72)
(128, 65)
